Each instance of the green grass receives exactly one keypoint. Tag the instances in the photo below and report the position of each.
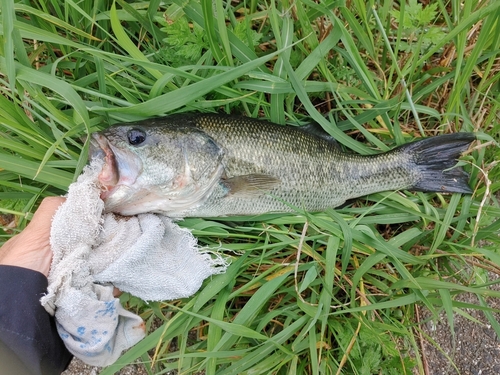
(332, 292)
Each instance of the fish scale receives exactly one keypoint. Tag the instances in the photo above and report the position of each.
(314, 173)
(207, 165)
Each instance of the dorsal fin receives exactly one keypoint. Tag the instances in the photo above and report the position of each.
(318, 131)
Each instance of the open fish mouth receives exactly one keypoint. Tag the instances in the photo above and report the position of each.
(109, 175)
(120, 169)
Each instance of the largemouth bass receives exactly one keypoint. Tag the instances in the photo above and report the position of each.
(215, 165)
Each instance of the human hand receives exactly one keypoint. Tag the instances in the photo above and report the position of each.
(31, 248)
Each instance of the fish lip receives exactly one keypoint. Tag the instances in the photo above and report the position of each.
(109, 176)
(95, 149)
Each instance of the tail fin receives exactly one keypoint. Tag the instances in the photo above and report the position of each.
(435, 159)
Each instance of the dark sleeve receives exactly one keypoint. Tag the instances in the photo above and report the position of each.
(26, 329)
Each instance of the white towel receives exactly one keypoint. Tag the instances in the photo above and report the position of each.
(147, 255)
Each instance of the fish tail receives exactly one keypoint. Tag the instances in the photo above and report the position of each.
(435, 159)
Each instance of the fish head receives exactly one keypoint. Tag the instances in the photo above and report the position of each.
(156, 168)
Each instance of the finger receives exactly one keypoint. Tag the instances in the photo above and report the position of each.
(42, 219)
(31, 248)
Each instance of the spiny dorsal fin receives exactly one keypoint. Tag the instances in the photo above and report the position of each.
(318, 131)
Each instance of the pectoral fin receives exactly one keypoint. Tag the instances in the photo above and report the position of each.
(250, 185)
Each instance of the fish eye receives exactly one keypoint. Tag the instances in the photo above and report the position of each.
(136, 137)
